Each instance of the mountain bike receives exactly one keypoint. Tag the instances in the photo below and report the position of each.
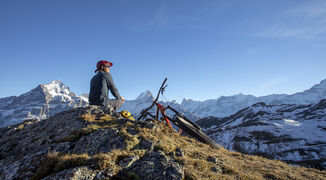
(178, 119)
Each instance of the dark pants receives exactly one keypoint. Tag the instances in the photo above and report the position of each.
(115, 103)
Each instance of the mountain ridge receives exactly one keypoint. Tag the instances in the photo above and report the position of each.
(46, 96)
(228, 105)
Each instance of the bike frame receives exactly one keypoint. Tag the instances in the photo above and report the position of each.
(162, 109)
(178, 119)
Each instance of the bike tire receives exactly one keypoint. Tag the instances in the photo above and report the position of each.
(194, 132)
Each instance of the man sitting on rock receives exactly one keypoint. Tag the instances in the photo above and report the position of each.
(100, 85)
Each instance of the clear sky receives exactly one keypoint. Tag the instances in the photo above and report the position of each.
(207, 48)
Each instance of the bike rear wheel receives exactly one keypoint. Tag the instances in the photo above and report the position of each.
(194, 132)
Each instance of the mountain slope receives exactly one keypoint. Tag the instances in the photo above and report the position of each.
(228, 105)
(96, 143)
(39, 103)
(288, 132)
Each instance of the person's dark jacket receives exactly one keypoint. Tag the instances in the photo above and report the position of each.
(99, 90)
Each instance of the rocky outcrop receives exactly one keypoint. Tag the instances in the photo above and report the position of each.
(96, 143)
(88, 133)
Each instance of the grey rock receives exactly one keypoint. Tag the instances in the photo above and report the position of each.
(80, 173)
(145, 144)
(156, 166)
(212, 159)
(100, 141)
(179, 152)
(214, 169)
(126, 162)
(9, 171)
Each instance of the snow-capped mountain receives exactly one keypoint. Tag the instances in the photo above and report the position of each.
(145, 99)
(48, 99)
(288, 132)
(39, 103)
(228, 105)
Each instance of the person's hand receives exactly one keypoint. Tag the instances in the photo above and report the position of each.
(123, 99)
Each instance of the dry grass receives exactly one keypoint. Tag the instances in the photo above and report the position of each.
(163, 136)
(96, 118)
(54, 162)
(130, 140)
(21, 126)
(112, 159)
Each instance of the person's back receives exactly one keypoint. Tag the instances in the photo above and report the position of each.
(100, 85)
(98, 91)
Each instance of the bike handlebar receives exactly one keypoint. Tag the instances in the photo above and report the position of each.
(143, 112)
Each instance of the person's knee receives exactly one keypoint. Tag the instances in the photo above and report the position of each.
(119, 103)
(116, 103)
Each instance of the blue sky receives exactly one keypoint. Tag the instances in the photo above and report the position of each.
(206, 48)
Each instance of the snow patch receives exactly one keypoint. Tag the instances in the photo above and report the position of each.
(291, 122)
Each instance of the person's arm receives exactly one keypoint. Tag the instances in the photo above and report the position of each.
(112, 86)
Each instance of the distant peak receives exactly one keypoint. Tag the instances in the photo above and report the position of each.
(56, 82)
(146, 94)
(184, 101)
(56, 87)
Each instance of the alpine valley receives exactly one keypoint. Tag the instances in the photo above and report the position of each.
(279, 126)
